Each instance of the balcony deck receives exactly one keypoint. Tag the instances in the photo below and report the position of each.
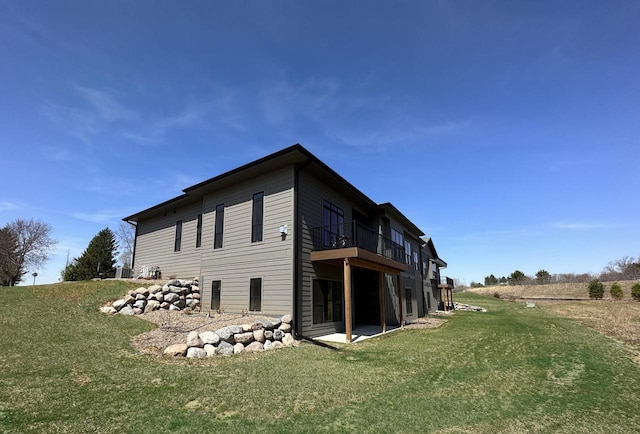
(363, 246)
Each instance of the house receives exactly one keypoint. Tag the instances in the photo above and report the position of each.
(286, 234)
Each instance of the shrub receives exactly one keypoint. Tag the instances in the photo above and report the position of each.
(596, 289)
(635, 291)
(496, 294)
(616, 291)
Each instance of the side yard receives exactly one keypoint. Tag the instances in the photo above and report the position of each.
(65, 367)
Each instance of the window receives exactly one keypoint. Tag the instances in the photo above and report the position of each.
(217, 236)
(257, 217)
(397, 237)
(178, 242)
(199, 231)
(407, 252)
(333, 222)
(416, 261)
(407, 298)
(327, 301)
(215, 294)
(255, 295)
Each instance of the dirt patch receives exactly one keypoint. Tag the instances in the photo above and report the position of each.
(174, 326)
(426, 323)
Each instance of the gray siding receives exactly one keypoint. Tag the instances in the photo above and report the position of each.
(311, 193)
(239, 259)
(156, 238)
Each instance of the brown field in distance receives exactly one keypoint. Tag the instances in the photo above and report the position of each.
(617, 319)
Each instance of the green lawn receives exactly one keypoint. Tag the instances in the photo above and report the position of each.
(67, 368)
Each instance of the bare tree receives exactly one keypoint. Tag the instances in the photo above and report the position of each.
(31, 249)
(126, 235)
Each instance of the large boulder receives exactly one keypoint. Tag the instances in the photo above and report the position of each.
(254, 346)
(176, 350)
(238, 348)
(209, 338)
(276, 345)
(286, 319)
(226, 333)
(171, 297)
(119, 304)
(288, 340)
(127, 310)
(140, 304)
(225, 349)
(210, 350)
(110, 310)
(196, 353)
(176, 290)
(243, 338)
(267, 345)
(268, 334)
(277, 335)
(258, 335)
(193, 340)
(285, 327)
(152, 305)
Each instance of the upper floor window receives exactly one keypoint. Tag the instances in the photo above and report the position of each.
(333, 223)
(416, 261)
(199, 231)
(178, 241)
(217, 235)
(397, 237)
(407, 252)
(257, 217)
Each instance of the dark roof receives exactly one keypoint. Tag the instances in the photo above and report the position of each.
(388, 206)
(295, 154)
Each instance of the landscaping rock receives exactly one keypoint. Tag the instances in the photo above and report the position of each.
(254, 346)
(154, 289)
(268, 334)
(288, 340)
(246, 328)
(110, 310)
(196, 353)
(142, 291)
(225, 349)
(276, 344)
(210, 350)
(152, 305)
(209, 338)
(277, 335)
(258, 335)
(193, 340)
(286, 319)
(126, 310)
(171, 297)
(173, 307)
(243, 338)
(226, 333)
(173, 282)
(140, 304)
(119, 304)
(267, 345)
(285, 327)
(137, 311)
(176, 350)
(238, 348)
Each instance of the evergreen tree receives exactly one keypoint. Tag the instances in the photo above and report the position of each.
(97, 260)
(490, 280)
(543, 277)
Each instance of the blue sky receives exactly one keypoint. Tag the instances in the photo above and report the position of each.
(507, 130)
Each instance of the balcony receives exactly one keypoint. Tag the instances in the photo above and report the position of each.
(446, 282)
(352, 239)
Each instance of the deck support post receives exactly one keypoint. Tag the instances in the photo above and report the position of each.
(399, 287)
(347, 300)
(383, 315)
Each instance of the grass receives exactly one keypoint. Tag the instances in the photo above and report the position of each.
(555, 290)
(67, 368)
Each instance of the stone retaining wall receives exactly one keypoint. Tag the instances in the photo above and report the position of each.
(235, 339)
(176, 294)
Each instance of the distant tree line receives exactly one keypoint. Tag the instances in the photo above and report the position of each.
(626, 268)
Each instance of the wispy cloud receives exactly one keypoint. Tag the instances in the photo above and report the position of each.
(105, 104)
(8, 206)
(581, 226)
(103, 217)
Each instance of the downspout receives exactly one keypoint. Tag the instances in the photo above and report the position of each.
(133, 254)
(297, 243)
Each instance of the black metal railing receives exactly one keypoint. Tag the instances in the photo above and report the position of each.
(354, 234)
(444, 280)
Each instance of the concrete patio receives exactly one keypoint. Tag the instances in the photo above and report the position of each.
(359, 334)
